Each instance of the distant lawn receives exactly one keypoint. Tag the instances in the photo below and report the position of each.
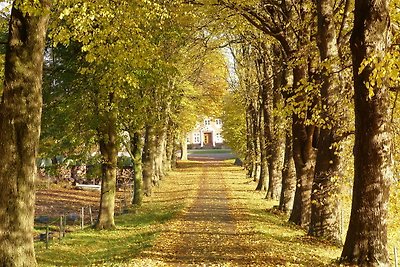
(135, 231)
(209, 151)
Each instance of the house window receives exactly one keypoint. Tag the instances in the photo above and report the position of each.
(218, 137)
(196, 138)
(218, 122)
(206, 122)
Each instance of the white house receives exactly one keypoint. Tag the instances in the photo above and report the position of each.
(207, 133)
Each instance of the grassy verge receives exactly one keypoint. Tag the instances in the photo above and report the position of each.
(135, 231)
(279, 239)
(275, 242)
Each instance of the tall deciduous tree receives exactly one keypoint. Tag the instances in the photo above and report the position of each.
(366, 238)
(20, 115)
(325, 190)
(109, 145)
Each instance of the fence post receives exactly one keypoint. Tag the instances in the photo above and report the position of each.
(61, 228)
(47, 236)
(82, 217)
(91, 215)
(65, 226)
(395, 257)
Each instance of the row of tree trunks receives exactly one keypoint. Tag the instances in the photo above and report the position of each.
(158, 155)
(365, 243)
(20, 116)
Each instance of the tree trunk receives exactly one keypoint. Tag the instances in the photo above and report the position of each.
(184, 150)
(261, 186)
(170, 148)
(174, 157)
(136, 148)
(304, 160)
(20, 115)
(252, 137)
(148, 161)
(304, 155)
(256, 143)
(274, 170)
(262, 179)
(160, 143)
(325, 220)
(325, 203)
(250, 150)
(108, 140)
(288, 177)
(275, 136)
(366, 240)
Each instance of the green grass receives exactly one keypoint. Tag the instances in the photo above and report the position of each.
(134, 233)
(275, 240)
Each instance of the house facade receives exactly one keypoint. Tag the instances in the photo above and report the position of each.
(206, 134)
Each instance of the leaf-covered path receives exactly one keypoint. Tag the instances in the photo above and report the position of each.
(217, 229)
(206, 232)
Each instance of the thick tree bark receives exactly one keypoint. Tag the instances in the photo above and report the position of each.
(325, 203)
(366, 240)
(174, 157)
(264, 111)
(108, 141)
(184, 150)
(160, 143)
(325, 220)
(249, 160)
(275, 136)
(262, 179)
(288, 177)
(170, 148)
(20, 116)
(136, 148)
(256, 143)
(148, 161)
(274, 171)
(304, 154)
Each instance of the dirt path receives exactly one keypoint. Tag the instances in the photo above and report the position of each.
(206, 233)
(228, 223)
